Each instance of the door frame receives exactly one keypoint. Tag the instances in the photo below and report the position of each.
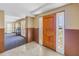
(40, 19)
(63, 30)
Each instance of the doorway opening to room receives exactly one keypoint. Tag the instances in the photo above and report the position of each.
(14, 34)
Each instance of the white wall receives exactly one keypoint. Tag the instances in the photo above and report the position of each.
(30, 22)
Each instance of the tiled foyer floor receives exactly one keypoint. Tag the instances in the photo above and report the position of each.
(30, 49)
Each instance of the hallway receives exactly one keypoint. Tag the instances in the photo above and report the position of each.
(51, 25)
(30, 49)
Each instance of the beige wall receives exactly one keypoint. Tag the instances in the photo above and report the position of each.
(23, 27)
(1, 19)
(17, 24)
(71, 15)
(36, 22)
(30, 22)
(72, 18)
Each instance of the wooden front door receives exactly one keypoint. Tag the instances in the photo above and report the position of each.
(49, 31)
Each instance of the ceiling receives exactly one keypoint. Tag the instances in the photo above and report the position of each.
(14, 11)
(19, 9)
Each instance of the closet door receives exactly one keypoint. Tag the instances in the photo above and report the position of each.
(60, 32)
(49, 31)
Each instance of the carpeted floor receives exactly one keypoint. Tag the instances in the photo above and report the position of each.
(12, 41)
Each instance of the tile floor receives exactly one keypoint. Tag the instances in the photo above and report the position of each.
(30, 49)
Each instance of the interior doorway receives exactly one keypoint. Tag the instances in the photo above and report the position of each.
(12, 36)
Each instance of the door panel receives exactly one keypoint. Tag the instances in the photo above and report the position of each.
(49, 31)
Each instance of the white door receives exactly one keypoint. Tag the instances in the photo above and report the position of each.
(60, 32)
(40, 30)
